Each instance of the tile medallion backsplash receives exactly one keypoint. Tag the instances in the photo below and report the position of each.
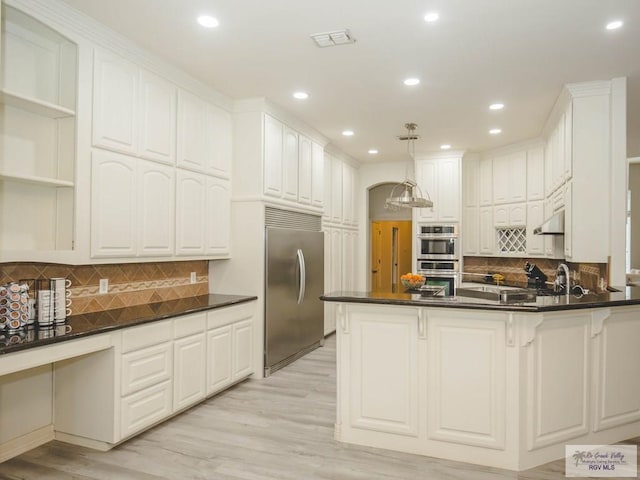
(129, 283)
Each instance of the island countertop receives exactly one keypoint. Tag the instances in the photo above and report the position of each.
(95, 323)
(626, 296)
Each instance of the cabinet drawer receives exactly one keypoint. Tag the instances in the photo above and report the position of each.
(226, 315)
(189, 325)
(143, 336)
(145, 408)
(147, 367)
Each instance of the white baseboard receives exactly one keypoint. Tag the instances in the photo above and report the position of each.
(83, 442)
(24, 443)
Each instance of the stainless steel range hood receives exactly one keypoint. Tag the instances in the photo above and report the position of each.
(553, 226)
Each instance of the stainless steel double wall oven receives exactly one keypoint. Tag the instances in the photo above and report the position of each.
(438, 255)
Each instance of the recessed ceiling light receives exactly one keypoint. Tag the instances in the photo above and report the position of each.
(412, 81)
(495, 131)
(614, 25)
(446, 146)
(301, 95)
(431, 17)
(373, 151)
(208, 21)
(496, 106)
(347, 133)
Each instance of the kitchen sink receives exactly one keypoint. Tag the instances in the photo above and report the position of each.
(503, 295)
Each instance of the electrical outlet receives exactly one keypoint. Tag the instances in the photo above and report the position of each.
(192, 277)
(104, 285)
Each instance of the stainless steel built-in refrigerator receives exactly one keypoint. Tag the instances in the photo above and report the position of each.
(294, 313)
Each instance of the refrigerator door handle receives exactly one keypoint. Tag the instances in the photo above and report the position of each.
(303, 275)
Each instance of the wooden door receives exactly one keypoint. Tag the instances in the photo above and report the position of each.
(390, 254)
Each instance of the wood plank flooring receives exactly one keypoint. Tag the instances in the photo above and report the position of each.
(278, 428)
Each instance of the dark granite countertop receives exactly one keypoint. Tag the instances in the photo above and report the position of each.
(83, 325)
(626, 296)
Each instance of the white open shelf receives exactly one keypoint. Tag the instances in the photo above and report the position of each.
(34, 105)
(35, 180)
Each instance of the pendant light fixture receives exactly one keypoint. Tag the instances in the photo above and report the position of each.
(408, 194)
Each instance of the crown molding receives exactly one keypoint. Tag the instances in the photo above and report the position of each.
(81, 28)
(589, 89)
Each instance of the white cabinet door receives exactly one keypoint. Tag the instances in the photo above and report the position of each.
(157, 118)
(328, 188)
(336, 190)
(568, 221)
(486, 182)
(427, 179)
(317, 175)
(192, 140)
(517, 179)
(568, 143)
(470, 182)
(336, 260)
(305, 170)
(448, 207)
(347, 193)
(190, 215)
(383, 356)
(156, 209)
(217, 216)
(470, 233)
(501, 215)
(242, 349)
(115, 84)
(535, 217)
(329, 319)
(535, 173)
(189, 356)
(273, 151)
(501, 179)
(219, 358)
(518, 215)
(146, 367)
(290, 165)
(219, 135)
(113, 205)
(487, 230)
(145, 408)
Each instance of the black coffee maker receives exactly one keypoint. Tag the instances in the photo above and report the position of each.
(535, 277)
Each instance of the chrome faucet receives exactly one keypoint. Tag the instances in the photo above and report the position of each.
(563, 280)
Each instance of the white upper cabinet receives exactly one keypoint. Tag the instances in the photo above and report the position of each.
(304, 170)
(535, 217)
(439, 179)
(510, 178)
(317, 175)
(487, 231)
(157, 118)
(113, 205)
(192, 135)
(218, 216)
(290, 165)
(294, 171)
(219, 136)
(156, 209)
(470, 182)
(347, 193)
(486, 182)
(273, 150)
(470, 233)
(568, 143)
(190, 213)
(115, 105)
(336, 190)
(535, 173)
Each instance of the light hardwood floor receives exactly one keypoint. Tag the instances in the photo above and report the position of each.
(278, 428)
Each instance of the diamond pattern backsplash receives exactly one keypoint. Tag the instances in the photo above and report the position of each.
(129, 283)
(587, 274)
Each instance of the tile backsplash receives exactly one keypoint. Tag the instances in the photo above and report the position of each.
(588, 275)
(129, 283)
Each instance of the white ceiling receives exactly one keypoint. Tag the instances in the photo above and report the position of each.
(519, 52)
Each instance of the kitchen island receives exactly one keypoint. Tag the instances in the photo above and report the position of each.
(479, 381)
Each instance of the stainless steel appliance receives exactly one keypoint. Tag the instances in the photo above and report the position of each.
(440, 273)
(294, 314)
(437, 242)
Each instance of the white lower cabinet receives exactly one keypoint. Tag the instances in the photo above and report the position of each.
(150, 373)
(229, 346)
(145, 408)
(189, 371)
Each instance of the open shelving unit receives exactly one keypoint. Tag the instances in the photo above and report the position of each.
(38, 91)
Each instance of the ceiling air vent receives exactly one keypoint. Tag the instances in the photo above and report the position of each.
(331, 39)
